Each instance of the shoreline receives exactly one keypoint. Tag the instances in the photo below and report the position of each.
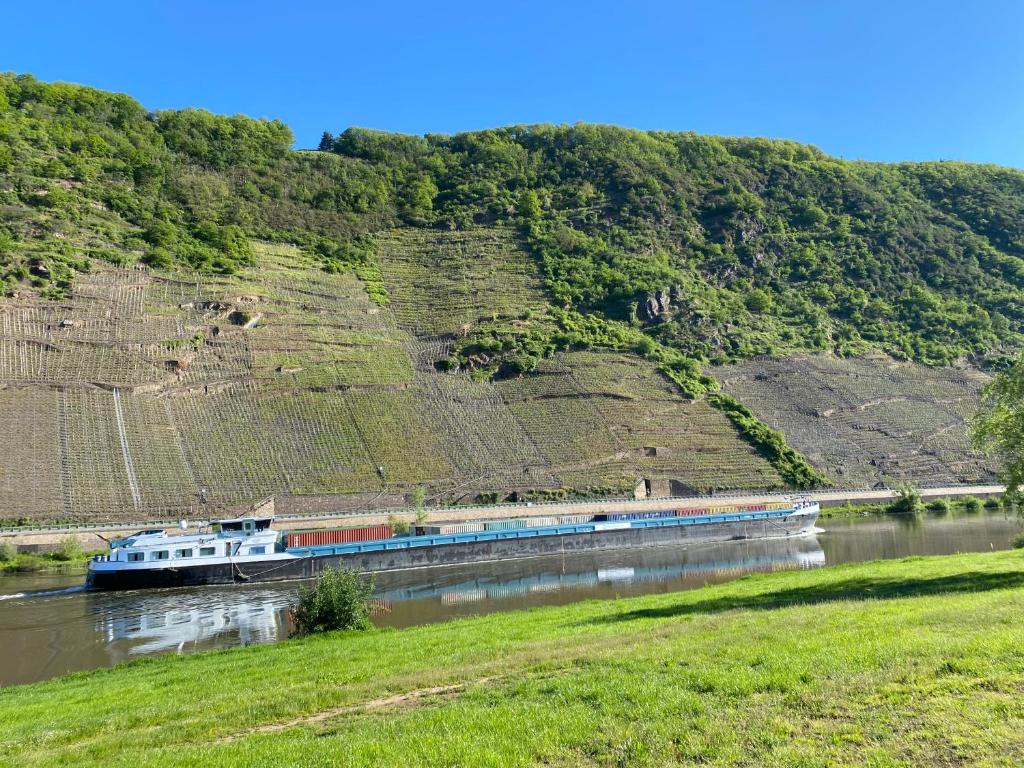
(91, 537)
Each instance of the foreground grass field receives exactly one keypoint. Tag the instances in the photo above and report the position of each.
(912, 662)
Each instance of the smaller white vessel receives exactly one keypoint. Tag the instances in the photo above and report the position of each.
(156, 558)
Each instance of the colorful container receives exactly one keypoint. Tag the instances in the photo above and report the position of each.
(448, 528)
(327, 536)
(503, 525)
(541, 522)
(618, 516)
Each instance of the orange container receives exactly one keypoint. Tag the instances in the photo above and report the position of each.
(329, 536)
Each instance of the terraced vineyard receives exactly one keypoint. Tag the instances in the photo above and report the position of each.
(607, 419)
(152, 394)
(443, 283)
(868, 421)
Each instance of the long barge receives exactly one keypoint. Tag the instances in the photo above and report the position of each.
(247, 549)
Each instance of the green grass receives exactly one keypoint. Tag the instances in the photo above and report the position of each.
(31, 562)
(894, 663)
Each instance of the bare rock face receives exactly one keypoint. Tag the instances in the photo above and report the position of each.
(664, 301)
(654, 306)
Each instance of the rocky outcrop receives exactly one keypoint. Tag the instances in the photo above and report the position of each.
(657, 305)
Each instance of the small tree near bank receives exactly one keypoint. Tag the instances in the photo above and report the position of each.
(419, 501)
(8, 552)
(907, 501)
(998, 430)
(399, 526)
(69, 549)
(339, 600)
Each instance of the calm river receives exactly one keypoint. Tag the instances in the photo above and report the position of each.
(49, 626)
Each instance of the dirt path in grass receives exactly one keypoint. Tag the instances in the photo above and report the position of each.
(397, 701)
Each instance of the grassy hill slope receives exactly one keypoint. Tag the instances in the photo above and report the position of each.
(197, 314)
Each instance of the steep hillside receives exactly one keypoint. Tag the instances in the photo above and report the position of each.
(868, 420)
(196, 314)
(145, 394)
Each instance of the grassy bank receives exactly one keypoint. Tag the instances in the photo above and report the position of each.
(912, 662)
(959, 506)
(31, 562)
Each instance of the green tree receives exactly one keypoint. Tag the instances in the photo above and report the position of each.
(399, 526)
(326, 142)
(999, 427)
(69, 549)
(419, 201)
(758, 300)
(418, 498)
(528, 206)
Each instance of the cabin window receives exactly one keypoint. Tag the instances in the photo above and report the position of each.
(159, 555)
(248, 526)
(257, 550)
(207, 551)
(134, 557)
(183, 553)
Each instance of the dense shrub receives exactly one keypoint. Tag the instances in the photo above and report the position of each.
(1018, 541)
(971, 504)
(398, 525)
(69, 549)
(907, 501)
(765, 246)
(938, 506)
(339, 600)
(8, 551)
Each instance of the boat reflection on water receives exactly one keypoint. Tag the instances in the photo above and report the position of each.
(163, 624)
(148, 622)
(404, 599)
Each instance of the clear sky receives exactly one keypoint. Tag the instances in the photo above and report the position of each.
(891, 80)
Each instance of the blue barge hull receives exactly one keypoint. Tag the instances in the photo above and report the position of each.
(408, 552)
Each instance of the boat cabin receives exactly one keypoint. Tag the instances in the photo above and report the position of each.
(242, 537)
(247, 526)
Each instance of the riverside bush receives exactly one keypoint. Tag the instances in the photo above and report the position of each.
(1018, 541)
(938, 506)
(971, 503)
(7, 552)
(69, 549)
(340, 600)
(907, 501)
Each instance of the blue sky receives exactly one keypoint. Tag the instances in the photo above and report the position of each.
(895, 80)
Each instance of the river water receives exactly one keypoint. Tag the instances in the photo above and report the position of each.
(50, 626)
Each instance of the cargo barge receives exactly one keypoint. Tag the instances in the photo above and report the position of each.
(247, 549)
